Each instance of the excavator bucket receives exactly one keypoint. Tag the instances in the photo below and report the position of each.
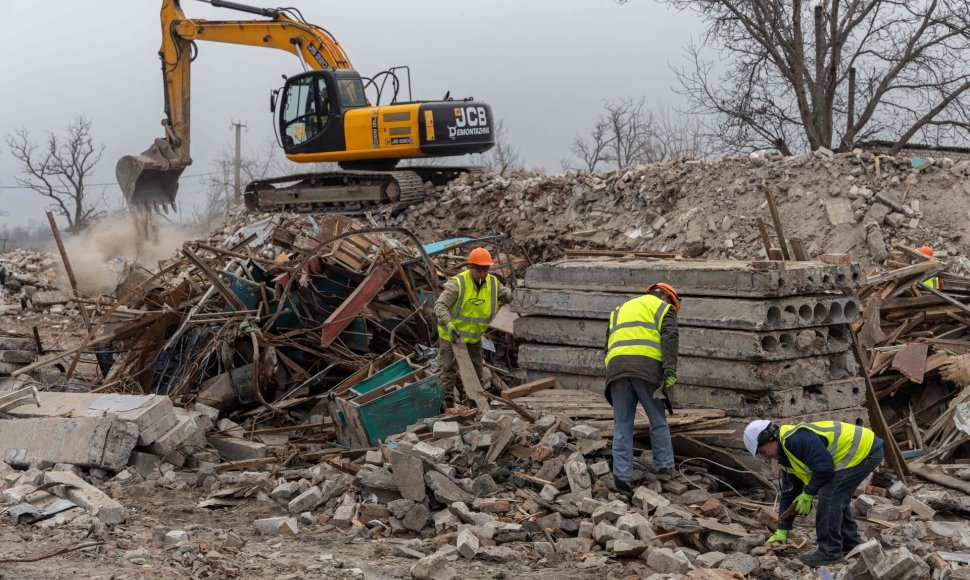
(152, 177)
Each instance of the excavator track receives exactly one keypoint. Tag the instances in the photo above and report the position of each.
(351, 192)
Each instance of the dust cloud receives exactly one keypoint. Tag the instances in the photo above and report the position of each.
(100, 255)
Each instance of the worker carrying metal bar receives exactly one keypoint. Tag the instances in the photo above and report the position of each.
(824, 459)
(641, 365)
(465, 308)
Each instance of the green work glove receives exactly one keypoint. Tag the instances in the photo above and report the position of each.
(452, 329)
(670, 378)
(803, 504)
(780, 536)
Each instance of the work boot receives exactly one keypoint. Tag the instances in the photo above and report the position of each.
(625, 487)
(662, 473)
(818, 559)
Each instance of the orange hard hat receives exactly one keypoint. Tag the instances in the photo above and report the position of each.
(480, 257)
(926, 251)
(669, 291)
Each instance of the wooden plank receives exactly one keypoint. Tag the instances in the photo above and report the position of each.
(798, 249)
(765, 240)
(776, 218)
(529, 388)
(901, 273)
(911, 361)
(469, 377)
(355, 303)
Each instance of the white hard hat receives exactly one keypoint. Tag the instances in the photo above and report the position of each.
(751, 433)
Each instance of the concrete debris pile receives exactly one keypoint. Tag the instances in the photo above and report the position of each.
(28, 280)
(856, 202)
(757, 339)
(917, 343)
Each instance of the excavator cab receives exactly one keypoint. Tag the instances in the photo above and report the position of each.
(312, 108)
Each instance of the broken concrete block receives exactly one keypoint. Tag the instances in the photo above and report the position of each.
(709, 560)
(152, 414)
(374, 457)
(443, 429)
(578, 476)
(666, 561)
(430, 452)
(548, 492)
(556, 441)
(285, 491)
(176, 537)
(17, 493)
(306, 501)
(585, 432)
(103, 442)
(343, 516)
(433, 567)
(885, 512)
(146, 464)
(178, 442)
(574, 545)
(636, 524)
(901, 564)
(743, 564)
(484, 485)
(416, 518)
(468, 544)
(604, 532)
(408, 474)
(898, 490)
(609, 512)
(236, 449)
(278, 526)
(625, 548)
(94, 501)
(919, 509)
(445, 490)
(646, 498)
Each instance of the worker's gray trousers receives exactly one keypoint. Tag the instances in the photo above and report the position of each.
(835, 528)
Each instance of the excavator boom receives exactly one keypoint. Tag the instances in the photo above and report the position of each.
(151, 178)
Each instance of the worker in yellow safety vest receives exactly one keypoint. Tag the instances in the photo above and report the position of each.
(465, 308)
(641, 367)
(933, 282)
(824, 459)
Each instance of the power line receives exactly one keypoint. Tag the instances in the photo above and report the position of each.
(194, 175)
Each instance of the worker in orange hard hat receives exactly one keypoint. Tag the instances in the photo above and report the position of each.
(641, 367)
(933, 282)
(465, 308)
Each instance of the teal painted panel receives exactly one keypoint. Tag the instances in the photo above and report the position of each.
(386, 375)
(392, 413)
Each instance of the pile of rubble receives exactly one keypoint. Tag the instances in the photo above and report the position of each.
(856, 203)
(28, 279)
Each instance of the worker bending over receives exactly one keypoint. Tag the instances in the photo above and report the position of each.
(933, 282)
(464, 309)
(641, 362)
(824, 459)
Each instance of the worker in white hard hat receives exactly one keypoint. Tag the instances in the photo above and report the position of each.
(824, 459)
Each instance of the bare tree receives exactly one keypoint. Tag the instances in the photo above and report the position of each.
(503, 157)
(627, 133)
(58, 169)
(795, 75)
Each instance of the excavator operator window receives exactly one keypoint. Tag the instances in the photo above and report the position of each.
(351, 93)
(299, 117)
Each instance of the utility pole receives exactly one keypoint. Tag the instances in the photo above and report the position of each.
(237, 190)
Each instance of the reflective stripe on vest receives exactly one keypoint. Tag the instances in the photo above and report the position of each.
(933, 282)
(848, 445)
(635, 328)
(472, 314)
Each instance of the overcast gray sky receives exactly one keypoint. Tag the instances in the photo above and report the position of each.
(545, 66)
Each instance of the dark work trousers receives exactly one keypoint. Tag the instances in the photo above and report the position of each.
(835, 529)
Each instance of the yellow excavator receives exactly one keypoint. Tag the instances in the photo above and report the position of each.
(324, 115)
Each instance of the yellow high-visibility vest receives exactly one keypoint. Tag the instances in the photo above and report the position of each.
(474, 309)
(635, 328)
(933, 282)
(847, 443)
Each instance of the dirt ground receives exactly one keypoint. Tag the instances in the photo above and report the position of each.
(319, 551)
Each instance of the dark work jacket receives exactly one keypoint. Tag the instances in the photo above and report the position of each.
(642, 367)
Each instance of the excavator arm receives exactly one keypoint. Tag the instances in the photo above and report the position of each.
(151, 178)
